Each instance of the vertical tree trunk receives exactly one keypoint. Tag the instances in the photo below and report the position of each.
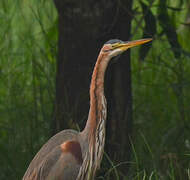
(75, 50)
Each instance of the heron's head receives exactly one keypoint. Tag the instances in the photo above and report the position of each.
(115, 47)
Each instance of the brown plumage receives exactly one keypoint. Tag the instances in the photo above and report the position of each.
(72, 155)
(72, 147)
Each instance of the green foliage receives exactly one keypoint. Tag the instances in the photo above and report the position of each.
(148, 30)
(161, 99)
(27, 73)
(161, 86)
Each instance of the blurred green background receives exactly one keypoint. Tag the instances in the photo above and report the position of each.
(160, 86)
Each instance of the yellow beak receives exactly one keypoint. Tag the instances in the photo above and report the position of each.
(129, 44)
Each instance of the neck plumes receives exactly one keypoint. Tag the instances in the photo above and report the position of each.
(97, 98)
(95, 126)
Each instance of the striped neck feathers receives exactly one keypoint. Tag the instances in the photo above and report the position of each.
(95, 126)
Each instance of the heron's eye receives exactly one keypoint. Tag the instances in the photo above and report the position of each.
(107, 50)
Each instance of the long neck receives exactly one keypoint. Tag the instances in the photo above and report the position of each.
(97, 99)
(94, 131)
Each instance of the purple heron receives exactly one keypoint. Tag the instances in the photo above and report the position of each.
(72, 155)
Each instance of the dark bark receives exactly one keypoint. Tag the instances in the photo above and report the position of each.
(75, 50)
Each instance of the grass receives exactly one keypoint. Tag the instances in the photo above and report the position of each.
(168, 167)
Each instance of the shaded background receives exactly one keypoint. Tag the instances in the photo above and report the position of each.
(47, 53)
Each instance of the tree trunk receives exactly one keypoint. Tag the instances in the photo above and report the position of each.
(76, 57)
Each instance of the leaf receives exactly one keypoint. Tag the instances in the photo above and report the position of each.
(168, 28)
(149, 29)
(175, 8)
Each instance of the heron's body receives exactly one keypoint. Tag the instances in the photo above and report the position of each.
(72, 155)
(45, 166)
